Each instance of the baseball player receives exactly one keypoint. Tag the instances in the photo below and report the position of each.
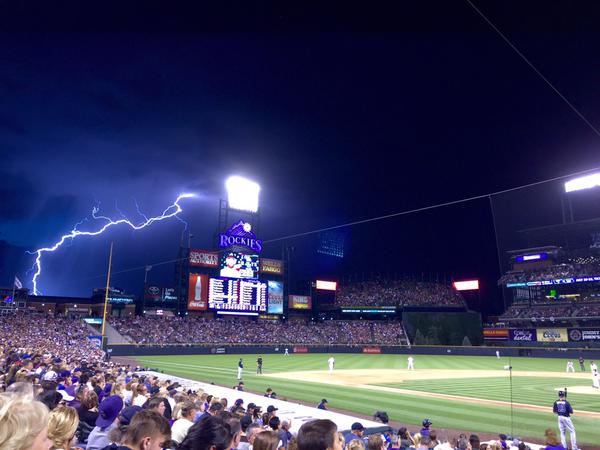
(286, 353)
(331, 362)
(259, 363)
(498, 354)
(570, 367)
(564, 410)
(582, 363)
(240, 369)
(411, 363)
(595, 380)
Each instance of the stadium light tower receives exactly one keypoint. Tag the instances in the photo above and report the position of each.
(242, 194)
(581, 183)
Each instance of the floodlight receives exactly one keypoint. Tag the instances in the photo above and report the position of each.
(468, 285)
(242, 194)
(326, 285)
(581, 183)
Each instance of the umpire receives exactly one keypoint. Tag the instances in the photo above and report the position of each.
(259, 363)
(564, 410)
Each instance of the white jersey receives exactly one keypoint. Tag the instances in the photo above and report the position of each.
(411, 362)
(331, 361)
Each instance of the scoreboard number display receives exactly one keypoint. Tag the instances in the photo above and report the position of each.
(227, 294)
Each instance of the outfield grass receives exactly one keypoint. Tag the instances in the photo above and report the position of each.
(408, 409)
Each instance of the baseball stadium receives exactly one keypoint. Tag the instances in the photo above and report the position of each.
(416, 355)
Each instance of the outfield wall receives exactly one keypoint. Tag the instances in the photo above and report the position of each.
(195, 349)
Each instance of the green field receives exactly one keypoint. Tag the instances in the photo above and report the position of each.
(406, 408)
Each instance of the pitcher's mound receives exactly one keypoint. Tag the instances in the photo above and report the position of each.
(580, 390)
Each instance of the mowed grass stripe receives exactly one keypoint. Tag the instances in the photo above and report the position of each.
(406, 409)
(530, 390)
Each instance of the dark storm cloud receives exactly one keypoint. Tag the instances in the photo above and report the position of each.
(17, 193)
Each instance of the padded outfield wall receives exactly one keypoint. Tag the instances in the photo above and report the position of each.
(196, 349)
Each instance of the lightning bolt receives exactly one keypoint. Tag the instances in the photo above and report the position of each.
(171, 211)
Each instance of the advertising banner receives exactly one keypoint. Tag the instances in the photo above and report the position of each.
(169, 295)
(552, 335)
(95, 340)
(371, 350)
(523, 335)
(584, 334)
(152, 293)
(275, 297)
(198, 292)
(272, 266)
(300, 349)
(204, 258)
(300, 302)
(495, 333)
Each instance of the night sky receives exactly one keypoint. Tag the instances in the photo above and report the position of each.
(339, 118)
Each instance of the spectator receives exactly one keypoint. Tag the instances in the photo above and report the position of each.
(357, 431)
(210, 433)
(266, 440)
(147, 430)
(552, 441)
(108, 411)
(23, 423)
(376, 442)
(62, 425)
(181, 426)
(318, 435)
(356, 444)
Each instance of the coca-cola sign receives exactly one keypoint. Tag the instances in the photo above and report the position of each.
(527, 335)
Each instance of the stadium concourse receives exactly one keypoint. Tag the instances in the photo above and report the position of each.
(50, 359)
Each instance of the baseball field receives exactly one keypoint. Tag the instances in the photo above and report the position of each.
(454, 392)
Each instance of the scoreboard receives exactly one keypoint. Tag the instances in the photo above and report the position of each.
(227, 294)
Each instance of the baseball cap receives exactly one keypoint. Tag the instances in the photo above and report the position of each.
(427, 422)
(239, 402)
(128, 413)
(502, 436)
(108, 410)
(357, 426)
(324, 401)
(65, 395)
(561, 393)
(271, 408)
(245, 422)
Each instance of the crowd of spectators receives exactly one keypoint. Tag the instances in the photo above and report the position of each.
(188, 329)
(565, 270)
(545, 311)
(398, 293)
(58, 391)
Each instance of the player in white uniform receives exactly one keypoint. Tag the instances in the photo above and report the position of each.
(570, 367)
(411, 363)
(595, 379)
(331, 362)
(498, 354)
(286, 353)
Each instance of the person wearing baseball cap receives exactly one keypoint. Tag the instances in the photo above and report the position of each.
(108, 411)
(322, 404)
(425, 430)
(357, 431)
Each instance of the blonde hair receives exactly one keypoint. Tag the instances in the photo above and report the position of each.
(62, 425)
(356, 444)
(117, 389)
(21, 420)
(417, 439)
